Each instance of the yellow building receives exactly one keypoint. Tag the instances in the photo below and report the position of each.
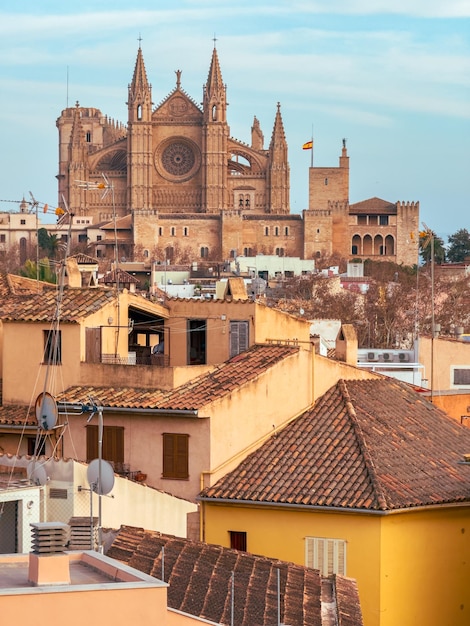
(367, 483)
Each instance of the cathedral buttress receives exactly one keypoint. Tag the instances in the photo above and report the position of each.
(215, 140)
(139, 138)
(78, 164)
(278, 170)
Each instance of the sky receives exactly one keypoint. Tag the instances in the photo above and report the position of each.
(392, 77)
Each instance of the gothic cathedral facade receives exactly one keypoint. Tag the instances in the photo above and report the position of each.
(175, 185)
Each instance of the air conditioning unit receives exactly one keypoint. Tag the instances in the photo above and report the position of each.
(386, 356)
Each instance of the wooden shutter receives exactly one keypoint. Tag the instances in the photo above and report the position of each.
(113, 443)
(326, 555)
(93, 345)
(238, 338)
(175, 455)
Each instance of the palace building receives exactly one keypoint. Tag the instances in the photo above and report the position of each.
(173, 183)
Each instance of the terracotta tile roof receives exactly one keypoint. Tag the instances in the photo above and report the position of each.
(373, 205)
(17, 415)
(122, 275)
(200, 579)
(12, 284)
(76, 304)
(84, 259)
(195, 394)
(366, 444)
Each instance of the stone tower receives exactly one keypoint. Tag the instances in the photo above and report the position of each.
(139, 138)
(215, 133)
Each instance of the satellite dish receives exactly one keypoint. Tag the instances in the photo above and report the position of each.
(107, 476)
(46, 411)
(36, 473)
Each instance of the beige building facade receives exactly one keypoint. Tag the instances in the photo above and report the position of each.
(181, 186)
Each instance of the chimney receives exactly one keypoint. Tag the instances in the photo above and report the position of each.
(48, 562)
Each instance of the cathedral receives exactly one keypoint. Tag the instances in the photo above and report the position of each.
(173, 184)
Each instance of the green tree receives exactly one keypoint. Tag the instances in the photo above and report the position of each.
(459, 246)
(48, 243)
(425, 247)
(46, 272)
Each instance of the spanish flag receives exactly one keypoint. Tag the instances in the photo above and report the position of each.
(308, 145)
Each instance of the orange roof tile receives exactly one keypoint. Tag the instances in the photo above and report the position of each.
(75, 304)
(200, 577)
(366, 444)
(193, 395)
(17, 415)
(373, 205)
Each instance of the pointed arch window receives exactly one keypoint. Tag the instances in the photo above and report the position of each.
(286, 231)
(139, 111)
(88, 136)
(214, 112)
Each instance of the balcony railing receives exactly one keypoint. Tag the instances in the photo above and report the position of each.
(158, 360)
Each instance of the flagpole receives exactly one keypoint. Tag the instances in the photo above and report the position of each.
(311, 156)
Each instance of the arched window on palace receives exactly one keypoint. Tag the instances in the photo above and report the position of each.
(266, 230)
(23, 246)
(204, 252)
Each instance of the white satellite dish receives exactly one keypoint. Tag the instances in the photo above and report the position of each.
(36, 473)
(46, 411)
(107, 476)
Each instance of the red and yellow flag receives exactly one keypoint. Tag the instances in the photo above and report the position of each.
(308, 145)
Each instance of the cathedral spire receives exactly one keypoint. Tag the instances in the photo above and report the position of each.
(278, 138)
(279, 172)
(215, 96)
(214, 80)
(139, 92)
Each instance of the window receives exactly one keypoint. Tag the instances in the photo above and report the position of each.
(160, 231)
(383, 220)
(326, 555)
(238, 338)
(3, 238)
(88, 136)
(276, 231)
(113, 443)
(237, 540)
(139, 111)
(82, 238)
(280, 251)
(52, 347)
(98, 237)
(286, 231)
(185, 231)
(175, 455)
(266, 230)
(173, 231)
(460, 376)
(354, 250)
(36, 447)
(326, 181)
(197, 342)
(204, 252)
(23, 222)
